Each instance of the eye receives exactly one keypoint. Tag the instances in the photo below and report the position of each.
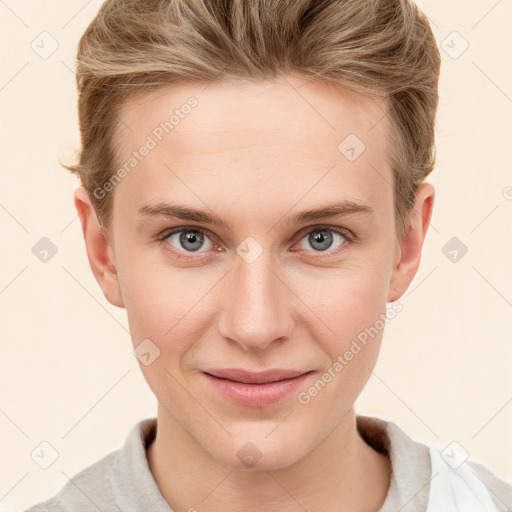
(187, 239)
(326, 239)
(183, 241)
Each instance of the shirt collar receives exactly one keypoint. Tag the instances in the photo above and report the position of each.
(136, 489)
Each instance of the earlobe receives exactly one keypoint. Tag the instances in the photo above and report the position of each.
(411, 244)
(99, 251)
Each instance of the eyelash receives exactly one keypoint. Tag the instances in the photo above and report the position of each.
(349, 237)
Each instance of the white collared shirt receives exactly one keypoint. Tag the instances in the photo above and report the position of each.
(421, 481)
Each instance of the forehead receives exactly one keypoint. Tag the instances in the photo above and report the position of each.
(262, 137)
(275, 110)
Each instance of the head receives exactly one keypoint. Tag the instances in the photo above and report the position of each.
(236, 118)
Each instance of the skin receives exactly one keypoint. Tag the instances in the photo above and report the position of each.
(255, 153)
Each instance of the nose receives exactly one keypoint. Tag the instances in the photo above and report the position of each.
(258, 304)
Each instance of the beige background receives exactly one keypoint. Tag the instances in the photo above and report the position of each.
(67, 372)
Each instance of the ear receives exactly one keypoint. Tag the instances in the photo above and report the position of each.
(99, 251)
(408, 254)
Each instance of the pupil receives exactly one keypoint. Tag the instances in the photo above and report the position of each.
(191, 237)
(323, 238)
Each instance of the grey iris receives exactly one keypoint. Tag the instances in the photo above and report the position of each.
(194, 238)
(321, 237)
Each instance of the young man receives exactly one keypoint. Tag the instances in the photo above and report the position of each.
(253, 193)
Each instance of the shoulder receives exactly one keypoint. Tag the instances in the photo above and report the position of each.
(121, 476)
(499, 490)
(427, 477)
(89, 490)
(462, 480)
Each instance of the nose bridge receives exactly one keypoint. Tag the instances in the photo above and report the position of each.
(257, 308)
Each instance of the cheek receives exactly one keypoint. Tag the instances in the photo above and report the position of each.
(354, 312)
(167, 318)
(157, 304)
(352, 309)
(347, 301)
(156, 298)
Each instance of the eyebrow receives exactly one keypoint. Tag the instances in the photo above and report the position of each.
(176, 211)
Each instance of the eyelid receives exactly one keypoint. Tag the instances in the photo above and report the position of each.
(346, 233)
(183, 255)
(166, 233)
(338, 229)
(350, 237)
(350, 240)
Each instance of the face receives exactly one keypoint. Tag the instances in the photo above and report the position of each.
(218, 268)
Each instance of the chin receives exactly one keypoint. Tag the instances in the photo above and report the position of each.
(259, 452)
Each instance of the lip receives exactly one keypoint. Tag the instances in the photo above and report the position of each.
(247, 377)
(255, 389)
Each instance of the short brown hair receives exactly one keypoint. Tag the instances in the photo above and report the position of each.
(380, 48)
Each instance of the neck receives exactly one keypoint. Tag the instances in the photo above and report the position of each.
(342, 473)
